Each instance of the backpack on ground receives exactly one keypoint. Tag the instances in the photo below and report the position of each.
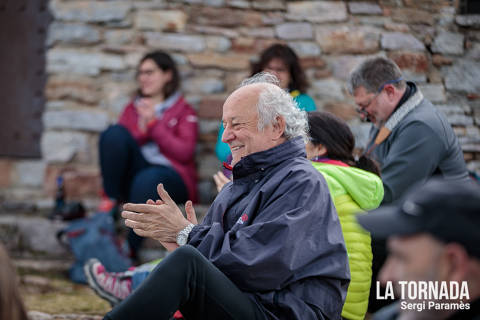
(95, 237)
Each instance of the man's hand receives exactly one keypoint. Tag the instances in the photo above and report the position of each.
(162, 221)
(170, 246)
(220, 180)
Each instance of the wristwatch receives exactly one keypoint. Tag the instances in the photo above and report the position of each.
(182, 236)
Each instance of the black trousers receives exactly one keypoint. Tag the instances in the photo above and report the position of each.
(185, 280)
(128, 177)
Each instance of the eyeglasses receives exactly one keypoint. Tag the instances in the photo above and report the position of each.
(146, 72)
(361, 108)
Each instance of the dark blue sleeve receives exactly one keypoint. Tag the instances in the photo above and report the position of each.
(294, 235)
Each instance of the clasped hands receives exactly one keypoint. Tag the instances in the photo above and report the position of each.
(146, 112)
(161, 220)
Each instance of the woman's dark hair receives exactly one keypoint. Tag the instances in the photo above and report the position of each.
(166, 63)
(334, 134)
(298, 80)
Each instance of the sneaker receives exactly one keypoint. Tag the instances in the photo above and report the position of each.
(106, 204)
(111, 286)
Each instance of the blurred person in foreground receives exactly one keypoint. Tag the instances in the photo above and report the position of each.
(11, 304)
(270, 246)
(281, 61)
(433, 236)
(153, 142)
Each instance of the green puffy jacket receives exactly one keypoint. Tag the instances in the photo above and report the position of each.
(354, 190)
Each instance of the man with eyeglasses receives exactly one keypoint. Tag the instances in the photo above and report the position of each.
(410, 138)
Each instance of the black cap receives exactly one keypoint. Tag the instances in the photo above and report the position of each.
(449, 211)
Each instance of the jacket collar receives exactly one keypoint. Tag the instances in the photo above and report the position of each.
(261, 161)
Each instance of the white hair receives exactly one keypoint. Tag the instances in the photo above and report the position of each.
(274, 102)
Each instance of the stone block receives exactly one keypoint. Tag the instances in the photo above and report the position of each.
(474, 51)
(312, 62)
(116, 96)
(211, 107)
(228, 62)
(160, 20)
(81, 183)
(439, 60)
(294, 30)
(360, 131)
(344, 64)
(397, 27)
(149, 4)
(90, 11)
(229, 33)
(203, 85)
(346, 39)
(273, 18)
(412, 16)
(269, 5)
(34, 235)
(227, 17)
(82, 62)
(463, 76)
(61, 147)
(252, 46)
(30, 173)
(72, 87)
(448, 43)
(328, 89)
(317, 11)
(263, 32)
(372, 21)
(416, 77)
(344, 110)
(242, 4)
(414, 61)
(208, 126)
(430, 5)
(468, 20)
(208, 167)
(119, 37)
(233, 79)
(87, 120)
(305, 48)
(72, 33)
(401, 41)
(6, 167)
(218, 43)
(433, 92)
(173, 41)
(364, 8)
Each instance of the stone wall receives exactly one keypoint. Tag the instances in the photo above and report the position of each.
(94, 47)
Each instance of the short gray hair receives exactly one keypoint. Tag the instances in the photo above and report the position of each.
(273, 102)
(373, 73)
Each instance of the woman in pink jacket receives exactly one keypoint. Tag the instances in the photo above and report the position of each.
(153, 142)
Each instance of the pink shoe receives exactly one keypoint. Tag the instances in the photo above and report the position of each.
(111, 286)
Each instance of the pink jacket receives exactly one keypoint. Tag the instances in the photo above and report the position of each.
(175, 133)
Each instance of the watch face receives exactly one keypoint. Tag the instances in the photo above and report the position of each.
(181, 239)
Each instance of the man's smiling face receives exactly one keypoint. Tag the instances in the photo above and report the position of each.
(240, 120)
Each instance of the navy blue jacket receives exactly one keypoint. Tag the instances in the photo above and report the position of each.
(275, 233)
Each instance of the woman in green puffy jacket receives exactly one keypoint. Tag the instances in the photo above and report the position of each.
(355, 186)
